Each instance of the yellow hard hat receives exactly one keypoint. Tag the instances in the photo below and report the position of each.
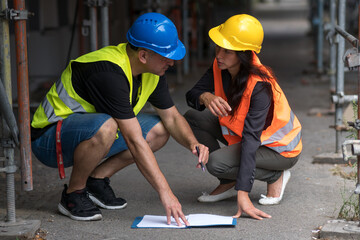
(239, 33)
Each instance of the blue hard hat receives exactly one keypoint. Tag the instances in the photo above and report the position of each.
(156, 32)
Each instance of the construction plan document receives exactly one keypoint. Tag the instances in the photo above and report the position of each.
(195, 220)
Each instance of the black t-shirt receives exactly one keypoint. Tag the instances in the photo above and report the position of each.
(105, 85)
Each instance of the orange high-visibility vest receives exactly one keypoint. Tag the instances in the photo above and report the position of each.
(284, 133)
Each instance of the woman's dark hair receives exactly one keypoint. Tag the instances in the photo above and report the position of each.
(247, 68)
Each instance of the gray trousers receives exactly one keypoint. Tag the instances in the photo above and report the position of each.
(224, 161)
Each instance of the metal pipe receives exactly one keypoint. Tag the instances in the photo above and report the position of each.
(82, 44)
(93, 28)
(5, 73)
(344, 99)
(320, 37)
(23, 98)
(332, 67)
(200, 42)
(186, 35)
(8, 114)
(350, 38)
(5, 61)
(178, 23)
(105, 24)
(340, 73)
(358, 110)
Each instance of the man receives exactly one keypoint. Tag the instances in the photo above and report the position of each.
(92, 114)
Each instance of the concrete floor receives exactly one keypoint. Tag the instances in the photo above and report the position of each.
(312, 197)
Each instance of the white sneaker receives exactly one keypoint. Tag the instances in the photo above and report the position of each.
(215, 198)
(264, 200)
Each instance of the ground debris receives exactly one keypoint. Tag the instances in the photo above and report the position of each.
(339, 170)
(39, 235)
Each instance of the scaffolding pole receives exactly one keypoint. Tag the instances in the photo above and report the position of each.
(340, 75)
(104, 10)
(5, 76)
(23, 97)
(13, 228)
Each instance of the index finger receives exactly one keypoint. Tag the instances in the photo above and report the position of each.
(176, 217)
(263, 214)
(254, 215)
(221, 108)
(226, 105)
(182, 216)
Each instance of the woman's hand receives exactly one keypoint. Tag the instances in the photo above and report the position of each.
(217, 105)
(246, 206)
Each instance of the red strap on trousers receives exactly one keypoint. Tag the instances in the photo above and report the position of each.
(59, 155)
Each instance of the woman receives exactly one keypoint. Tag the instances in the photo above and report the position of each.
(248, 112)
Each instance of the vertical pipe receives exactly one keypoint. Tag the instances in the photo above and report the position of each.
(178, 24)
(5, 66)
(23, 98)
(200, 41)
(93, 28)
(340, 73)
(320, 37)
(186, 36)
(358, 103)
(80, 21)
(5, 76)
(105, 24)
(332, 70)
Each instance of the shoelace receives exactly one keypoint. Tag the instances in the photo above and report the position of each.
(85, 199)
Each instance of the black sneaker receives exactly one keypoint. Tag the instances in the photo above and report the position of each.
(78, 206)
(102, 194)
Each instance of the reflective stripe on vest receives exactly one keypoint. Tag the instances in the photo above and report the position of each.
(65, 98)
(281, 133)
(289, 147)
(226, 131)
(284, 133)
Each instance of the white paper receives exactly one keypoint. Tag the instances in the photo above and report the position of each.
(154, 221)
(208, 220)
(195, 220)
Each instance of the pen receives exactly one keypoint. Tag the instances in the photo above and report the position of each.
(198, 153)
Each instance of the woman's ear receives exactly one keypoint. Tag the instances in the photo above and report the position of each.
(142, 54)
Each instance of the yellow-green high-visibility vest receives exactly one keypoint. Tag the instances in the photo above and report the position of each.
(62, 100)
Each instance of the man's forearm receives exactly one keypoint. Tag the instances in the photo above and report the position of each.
(178, 127)
(143, 155)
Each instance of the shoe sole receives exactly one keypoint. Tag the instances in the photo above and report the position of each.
(102, 205)
(65, 212)
(216, 198)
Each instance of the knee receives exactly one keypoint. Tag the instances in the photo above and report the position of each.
(190, 115)
(158, 136)
(214, 166)
(107, 132)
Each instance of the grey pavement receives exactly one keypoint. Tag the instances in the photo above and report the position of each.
(312, 197)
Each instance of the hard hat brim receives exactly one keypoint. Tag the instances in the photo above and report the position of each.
(221, 41)
(176, 54)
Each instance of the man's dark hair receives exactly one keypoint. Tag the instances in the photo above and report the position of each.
(133, 47)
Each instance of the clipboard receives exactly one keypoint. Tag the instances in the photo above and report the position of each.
(195, 220)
